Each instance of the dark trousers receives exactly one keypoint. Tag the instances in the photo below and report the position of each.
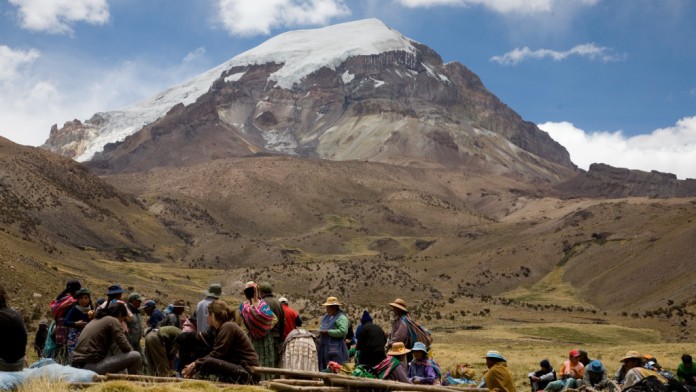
(227, 371)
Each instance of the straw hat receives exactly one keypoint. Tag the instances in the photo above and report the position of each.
(331, 301)
(399, 304)
(398, 348)
(496, 355)
(631, 355)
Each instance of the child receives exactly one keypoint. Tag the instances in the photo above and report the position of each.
(422, 370)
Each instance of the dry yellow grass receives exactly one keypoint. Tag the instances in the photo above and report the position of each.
(42, 385)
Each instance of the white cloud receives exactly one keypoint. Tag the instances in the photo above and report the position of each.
(42, 89)
(503, 6)
(12, 61)
(591, 51)
(194, 55)
(57, 16)
(253, 17)
(669, 150)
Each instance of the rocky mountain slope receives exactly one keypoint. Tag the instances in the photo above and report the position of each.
(354, 91)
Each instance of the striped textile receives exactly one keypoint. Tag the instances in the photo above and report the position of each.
(258, 319)
(299, 352)
(267, 354)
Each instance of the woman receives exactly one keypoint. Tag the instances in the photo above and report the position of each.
(232, 356)
(78, 317)
(59, 331)
(332, 332)
(390, 368)
(498, 376)
(423, 370)
(92, 349)
(258, 319)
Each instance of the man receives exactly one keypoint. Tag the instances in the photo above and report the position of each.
(596, 376)
(332, 332)
(174, 318)
(13, 339)
(278, 329)
(154, 315)
(498, 377)
(160, 350)
(542, 377)
(135, 323)
(214, 292)
(635, 372)
(292, 317)
(686, 372)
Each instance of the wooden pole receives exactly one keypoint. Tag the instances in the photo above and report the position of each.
(278, 386)
(306, 383)
(298, 373)
(393, 385)
(138, 377)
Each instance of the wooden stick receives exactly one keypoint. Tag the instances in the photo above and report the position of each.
(298, 373)
(392, 385)
(306, 383)
(139, 377)
(277, 386)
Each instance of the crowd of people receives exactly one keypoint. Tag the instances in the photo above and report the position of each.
(123, 332)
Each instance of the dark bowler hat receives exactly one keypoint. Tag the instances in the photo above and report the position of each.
(115, 289)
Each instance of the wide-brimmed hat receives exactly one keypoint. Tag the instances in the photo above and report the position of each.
(283, 300)
(115, 289)
(631, 355)
(398, 348)
(595, 367)
(331, 301)
(148, 304)
(214, 290)
(135, 297)
(496, 355)
(179, 303)
(419, 346)
(82, 291)
(399, 304)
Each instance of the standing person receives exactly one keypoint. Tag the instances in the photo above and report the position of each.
(686, 372)
(13, 339)
(498, 376)
(406, 330)
(371, 340)
(113, 293)
(214, 292)
(292, 317)
(59, 309)
(332, 334)
(154, 315)
(258, 319)
(266, 291)
(423, 370)
(232, 356)
(174, 318)
(160, 350)
(77, 318)
(299, 352)
(92, 349)
(542, 377)
(135, 323)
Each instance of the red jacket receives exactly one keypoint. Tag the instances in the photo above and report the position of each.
(292, 320)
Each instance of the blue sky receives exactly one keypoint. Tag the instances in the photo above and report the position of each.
(613, 81)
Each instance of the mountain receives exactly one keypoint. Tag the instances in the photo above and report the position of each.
(353, 91)
(611, 182)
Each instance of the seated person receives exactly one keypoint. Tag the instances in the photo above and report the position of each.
(93, 346)
(635, 372)
(423, 370)
(390, 368)
(497, 377)
(572, 371)
(686, 372)
(13, 339)
(232, 356)
(542, 377)
(596, 376)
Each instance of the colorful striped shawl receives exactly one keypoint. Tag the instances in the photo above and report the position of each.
(258, 319)
(416, 332)
(386, 366)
